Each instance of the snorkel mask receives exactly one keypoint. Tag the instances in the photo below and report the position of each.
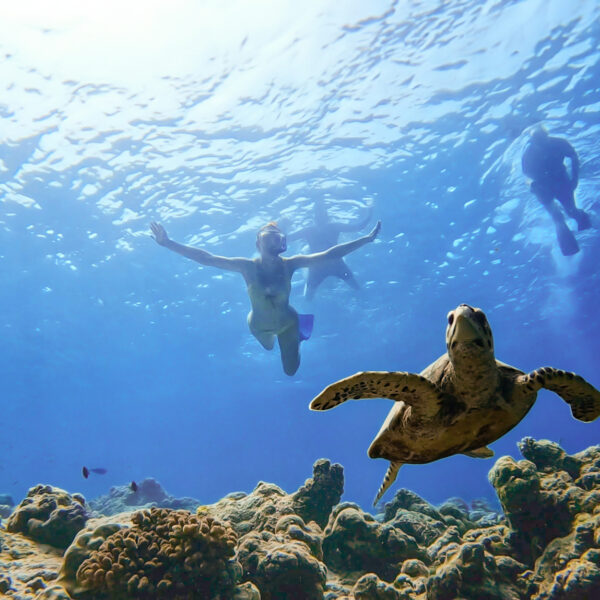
(272, 237)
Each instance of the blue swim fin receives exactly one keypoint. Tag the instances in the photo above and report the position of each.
(305, 326)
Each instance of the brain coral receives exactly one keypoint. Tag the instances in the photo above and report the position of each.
(49, 515)
(285, 565)
(166, 554)
(355, 541)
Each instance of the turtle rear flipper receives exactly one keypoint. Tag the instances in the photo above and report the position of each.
(390, 477)
(483, 452)
(582, 396)
(421, 394)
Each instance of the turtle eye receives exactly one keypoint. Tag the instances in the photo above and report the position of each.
(450, 318)
(480, 318)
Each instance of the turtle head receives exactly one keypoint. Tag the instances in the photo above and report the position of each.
(468, 334)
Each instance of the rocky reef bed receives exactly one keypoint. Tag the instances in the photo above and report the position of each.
(271, 545)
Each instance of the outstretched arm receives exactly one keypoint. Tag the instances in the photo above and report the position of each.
(358, 224)
(201, 256)
(567, 151)
(526, 163)
(570, 153)
(306, 260)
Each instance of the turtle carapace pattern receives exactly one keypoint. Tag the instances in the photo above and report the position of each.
(459, 404)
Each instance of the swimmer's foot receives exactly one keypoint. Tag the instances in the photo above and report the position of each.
(566, 240)
(305, 326)
(583, 220)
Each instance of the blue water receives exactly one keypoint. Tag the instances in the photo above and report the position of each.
(213, 121)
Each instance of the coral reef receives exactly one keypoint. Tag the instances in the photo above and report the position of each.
(541, 501)
(262, 509)
(271, 545)
(49, 515)
(355, 542)
(6, 505)
(149, 494)
(26, 567)
(319, 494)
(165, 554)
(88, 540)
(282, 568)
(552, 503)
(280, 535)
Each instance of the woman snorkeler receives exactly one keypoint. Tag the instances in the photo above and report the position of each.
(269, 282)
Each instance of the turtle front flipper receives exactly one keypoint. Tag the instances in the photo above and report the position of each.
(582, 396)
(411, 388)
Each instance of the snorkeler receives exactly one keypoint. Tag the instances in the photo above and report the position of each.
(269, 281)
(543, 162)
(322, 235)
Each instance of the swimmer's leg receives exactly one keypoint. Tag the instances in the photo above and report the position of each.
(289, 346)
(267, 340)
(347, 275)
(566, 240)
(315, 278)
(566, 197)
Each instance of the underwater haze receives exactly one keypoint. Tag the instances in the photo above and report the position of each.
(215, 118)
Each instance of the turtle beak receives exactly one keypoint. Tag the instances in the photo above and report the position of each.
(468, 329)
(464, 329)
(461, 327)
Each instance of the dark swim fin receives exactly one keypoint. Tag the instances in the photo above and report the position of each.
(305, 326)
(583, 220)
(566, 240)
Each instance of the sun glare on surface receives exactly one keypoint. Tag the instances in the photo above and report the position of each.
(132, 40)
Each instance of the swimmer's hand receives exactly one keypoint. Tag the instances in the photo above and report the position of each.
(159, 233)
(373, 233)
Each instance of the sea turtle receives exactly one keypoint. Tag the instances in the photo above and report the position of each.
(460, 403)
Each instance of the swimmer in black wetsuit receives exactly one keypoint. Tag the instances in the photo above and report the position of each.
(543, 161)
(321, 235)
(268, 279)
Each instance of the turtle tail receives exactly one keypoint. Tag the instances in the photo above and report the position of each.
(389, 478)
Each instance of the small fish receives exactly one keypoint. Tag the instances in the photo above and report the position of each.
(98, 470)
(134, 486)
